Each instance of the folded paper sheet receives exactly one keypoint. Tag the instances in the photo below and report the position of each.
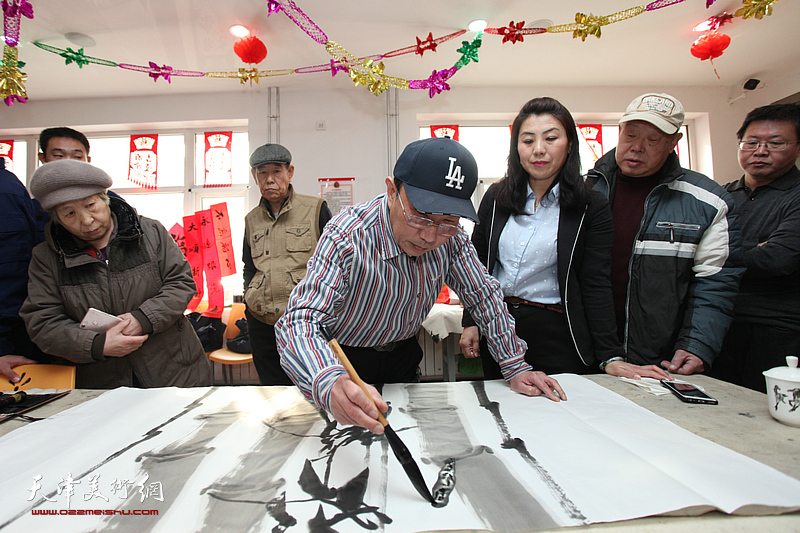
(254, 459)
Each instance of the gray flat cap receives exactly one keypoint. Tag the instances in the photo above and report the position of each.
(65, 180)
(270, 153)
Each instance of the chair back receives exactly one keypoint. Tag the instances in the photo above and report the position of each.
(237, 312)
(41, 377)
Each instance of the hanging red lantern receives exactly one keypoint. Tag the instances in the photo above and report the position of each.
(250, 49)
(710, 45)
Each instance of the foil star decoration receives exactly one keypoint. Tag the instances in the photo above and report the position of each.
(587, 25)
(437, 81)
(469, 51)
(12, 81)
(12, 11)
(273, 7)
(511, 33)
(371, 76)
(163, 71)
(717, 22)
(337, 66)
(245, 75)
(79, 58)
(17, 8)
(427, 44)
(755, 8)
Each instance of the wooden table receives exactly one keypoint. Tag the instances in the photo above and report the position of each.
(741, 422)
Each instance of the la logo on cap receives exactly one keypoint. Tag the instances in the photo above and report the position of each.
(454, 177)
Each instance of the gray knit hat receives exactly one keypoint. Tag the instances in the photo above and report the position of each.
(65, 180)
(270, 153)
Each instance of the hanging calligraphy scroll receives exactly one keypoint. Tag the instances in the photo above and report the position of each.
(191, 231)
(224, 240)
(208, 248)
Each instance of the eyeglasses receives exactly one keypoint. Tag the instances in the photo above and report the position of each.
(772, 146)
(420, 223)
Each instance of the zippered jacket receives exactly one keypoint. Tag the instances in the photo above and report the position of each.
(145, 275)
(584, 266)
(685, 267)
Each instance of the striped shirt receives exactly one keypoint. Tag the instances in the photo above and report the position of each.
(368, 292)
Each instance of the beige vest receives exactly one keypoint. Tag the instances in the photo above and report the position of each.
(280, 249)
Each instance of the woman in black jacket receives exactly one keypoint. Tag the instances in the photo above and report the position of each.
(547, 239)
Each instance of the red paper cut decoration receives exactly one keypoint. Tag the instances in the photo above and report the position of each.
(223, 238)
(442, 131)
(7, 152)
(143, 167)
(250, 49)
(218, 159)
(593, 135)
(191, 232)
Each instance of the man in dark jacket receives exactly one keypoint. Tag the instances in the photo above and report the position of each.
(766, 325)
(676, 257)
(19, 233)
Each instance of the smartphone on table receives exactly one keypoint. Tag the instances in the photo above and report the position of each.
(99, 321)
(688, 392)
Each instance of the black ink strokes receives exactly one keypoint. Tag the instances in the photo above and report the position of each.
(311, 484)
(277, 510)
(518, 444)
(444, 484)
(347, 499)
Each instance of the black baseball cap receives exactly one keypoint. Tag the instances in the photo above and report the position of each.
(439, 176)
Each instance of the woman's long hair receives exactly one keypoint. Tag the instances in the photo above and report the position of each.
(511, 191)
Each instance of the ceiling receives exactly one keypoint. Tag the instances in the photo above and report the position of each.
(648, 50)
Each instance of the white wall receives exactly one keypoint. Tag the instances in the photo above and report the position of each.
(354, 142)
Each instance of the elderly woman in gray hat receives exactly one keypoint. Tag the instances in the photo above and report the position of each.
(100, 254)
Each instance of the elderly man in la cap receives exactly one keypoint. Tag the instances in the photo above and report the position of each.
(376, 273)
(280, 236)
(100, 254)
(676, 256)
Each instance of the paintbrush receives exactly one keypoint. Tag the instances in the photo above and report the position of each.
(399, 449)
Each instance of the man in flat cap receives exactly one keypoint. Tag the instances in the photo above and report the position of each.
(100, 254)
(374, 277)
(677, 256)
(279, 236)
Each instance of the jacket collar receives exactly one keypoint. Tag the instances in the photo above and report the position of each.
(788, 181)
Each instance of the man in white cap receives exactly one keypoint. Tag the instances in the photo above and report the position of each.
(374, 277)
(676, 257)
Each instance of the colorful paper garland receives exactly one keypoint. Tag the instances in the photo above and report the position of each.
(363, 71)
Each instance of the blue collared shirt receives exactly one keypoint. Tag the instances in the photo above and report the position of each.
(527, 255)
(368, 292)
